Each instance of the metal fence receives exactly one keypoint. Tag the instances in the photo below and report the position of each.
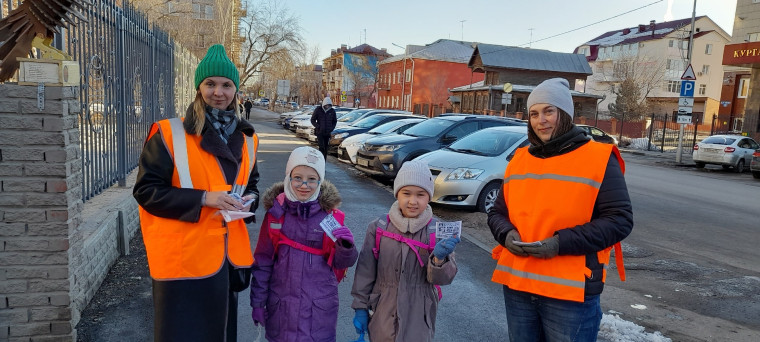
(130, 73)
(664, 130)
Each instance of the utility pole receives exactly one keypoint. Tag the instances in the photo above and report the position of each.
(530, 44)
(462, 22)
(679, 150)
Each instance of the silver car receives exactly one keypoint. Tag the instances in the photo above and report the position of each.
(729, 151)
(470, 171)
(349, 146)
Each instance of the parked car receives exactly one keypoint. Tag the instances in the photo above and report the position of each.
(598, 134)
(371, 120)
(754, 164)
(264, 102)
(729, 151)
(293, 105)
(349, 146)
(383, 155)
(470, 171)
(287, 115)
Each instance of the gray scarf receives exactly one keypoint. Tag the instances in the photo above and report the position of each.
(223, 121)
(409, 224)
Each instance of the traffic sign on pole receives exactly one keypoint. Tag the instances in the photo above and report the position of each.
(687, 88)
(688, 74)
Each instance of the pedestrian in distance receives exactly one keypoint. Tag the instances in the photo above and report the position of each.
(192, 170)
(400, 265)
(294, 292)
(324, 120)
(248, 105)
(563, 205)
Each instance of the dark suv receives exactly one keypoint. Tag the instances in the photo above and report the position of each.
(383, 155)
(361, 126)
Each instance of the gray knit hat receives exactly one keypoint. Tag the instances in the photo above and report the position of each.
(554, 91)
(416, 173)
(216, 63)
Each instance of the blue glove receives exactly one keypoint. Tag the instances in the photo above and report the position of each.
(361, 321)
(444, 247)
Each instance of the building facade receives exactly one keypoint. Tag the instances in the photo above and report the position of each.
(419, 80)
(740, 99)
(654, 56)
(511, 73)
(349, 75)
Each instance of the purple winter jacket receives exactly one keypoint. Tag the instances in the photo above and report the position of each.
(298, 289)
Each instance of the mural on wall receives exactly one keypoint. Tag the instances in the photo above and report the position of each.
(360, 76)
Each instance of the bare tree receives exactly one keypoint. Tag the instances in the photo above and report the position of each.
(362, 76)
(268, 29)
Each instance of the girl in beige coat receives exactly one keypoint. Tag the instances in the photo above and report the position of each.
(395, 286)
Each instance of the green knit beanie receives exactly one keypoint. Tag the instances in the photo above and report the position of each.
(216, 63)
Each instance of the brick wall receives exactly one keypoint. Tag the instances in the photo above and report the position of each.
(54, 250)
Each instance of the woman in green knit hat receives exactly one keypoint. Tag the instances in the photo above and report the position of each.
(196, 188)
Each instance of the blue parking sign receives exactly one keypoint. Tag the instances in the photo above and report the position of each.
(687, 88)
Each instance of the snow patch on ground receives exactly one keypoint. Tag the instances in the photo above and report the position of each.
(616, 329)
(639, 306)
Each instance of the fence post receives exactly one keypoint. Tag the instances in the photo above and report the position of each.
(712, 126)
(121, 114)
(664, 126)
(651, 129)
(696, 128)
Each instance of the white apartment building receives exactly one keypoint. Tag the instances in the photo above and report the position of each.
(657, 52)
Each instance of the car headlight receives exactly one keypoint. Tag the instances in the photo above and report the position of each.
(464, 173)
(389, 148)
(340, 135)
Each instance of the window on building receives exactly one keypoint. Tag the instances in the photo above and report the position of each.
(708, 49)
(398, 76)
(753, 37)
(705, 69)
(743, 87)
(674, 86)
(685, 44)
(394, 78)
(671, 43)
(616, 48)
(408, 75)
(209, 12)
(702, 89)
(674, 64)
(196, 11)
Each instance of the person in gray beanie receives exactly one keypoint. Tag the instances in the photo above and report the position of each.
(562, 208)
(398, 287)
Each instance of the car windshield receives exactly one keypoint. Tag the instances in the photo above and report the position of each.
(719, 140)
(429, 128)
(487, 142)
(368, 122)
(353, 115)
(384, 128)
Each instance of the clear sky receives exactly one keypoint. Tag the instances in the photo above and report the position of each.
(330, 23)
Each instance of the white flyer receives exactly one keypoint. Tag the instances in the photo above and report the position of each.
(445, 230)
(329, 224)
(230, 215)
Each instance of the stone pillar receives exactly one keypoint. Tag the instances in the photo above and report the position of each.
(613, 128)
(40, 205)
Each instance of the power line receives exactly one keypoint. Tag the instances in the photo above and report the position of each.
(585, 26)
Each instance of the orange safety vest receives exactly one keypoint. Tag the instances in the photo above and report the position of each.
(546, 195)
(194, 250)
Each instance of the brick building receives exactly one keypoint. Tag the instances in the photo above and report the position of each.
(419, 80)
(350, 74)
(523, 69)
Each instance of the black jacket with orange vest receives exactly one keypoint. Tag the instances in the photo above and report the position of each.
(611, 219)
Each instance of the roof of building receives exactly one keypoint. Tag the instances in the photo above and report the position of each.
(641, 32)
(440, 50)
(367, 49)
(516, 88)
(512, 57)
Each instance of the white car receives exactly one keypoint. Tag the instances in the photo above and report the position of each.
(298, 119)
(470, 171)
(349, 146)
(729, 151)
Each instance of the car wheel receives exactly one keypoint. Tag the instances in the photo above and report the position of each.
(699, 165)
(739, 167)
(488, 196)
(756, 174)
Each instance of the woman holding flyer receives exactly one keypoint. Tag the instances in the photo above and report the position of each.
(302, 253)
(400, 266)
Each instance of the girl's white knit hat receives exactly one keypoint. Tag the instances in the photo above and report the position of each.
(414, 172)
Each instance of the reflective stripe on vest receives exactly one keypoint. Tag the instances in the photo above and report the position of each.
(192, 250)
(543, 196)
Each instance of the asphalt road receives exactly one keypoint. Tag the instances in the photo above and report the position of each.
(692, 269)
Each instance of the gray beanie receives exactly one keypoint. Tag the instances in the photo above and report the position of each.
(554, 91)
(414, 172)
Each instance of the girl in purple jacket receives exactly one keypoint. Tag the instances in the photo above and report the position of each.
(294, 290)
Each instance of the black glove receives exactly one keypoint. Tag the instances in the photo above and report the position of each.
(548, 249)
(514, 235)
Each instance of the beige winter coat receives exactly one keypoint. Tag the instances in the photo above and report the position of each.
(399, 292)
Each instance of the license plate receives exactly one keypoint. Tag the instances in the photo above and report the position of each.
(362, 161)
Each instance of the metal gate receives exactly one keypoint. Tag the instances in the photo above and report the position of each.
(129, 72)
(663, 132)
